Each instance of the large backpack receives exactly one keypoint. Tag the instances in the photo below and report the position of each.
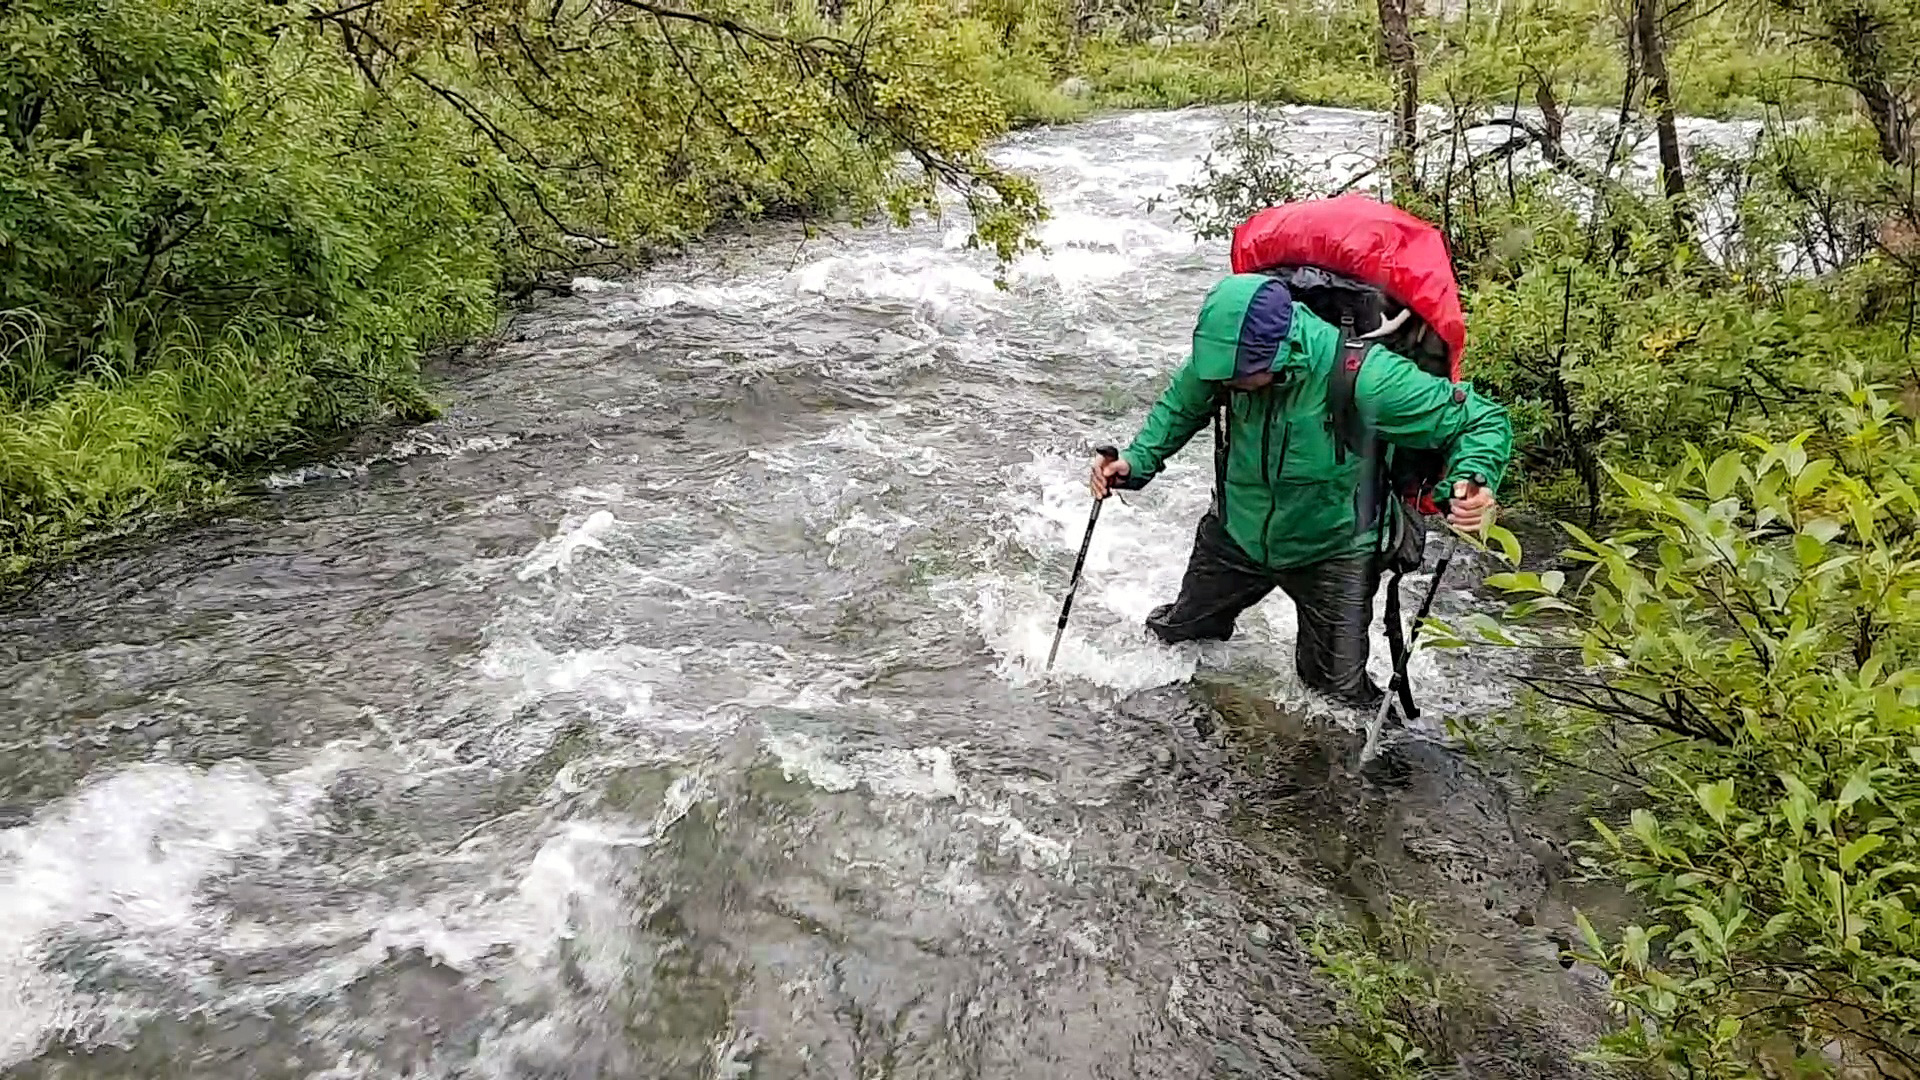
(1384, 277)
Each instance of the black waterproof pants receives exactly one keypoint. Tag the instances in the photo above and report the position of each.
(1333, 599)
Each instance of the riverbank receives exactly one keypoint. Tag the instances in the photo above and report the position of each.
(274, 284)
(236, 236)
(1733, 70)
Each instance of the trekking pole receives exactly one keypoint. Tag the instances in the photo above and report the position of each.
(1073, 584)
(1398, 683)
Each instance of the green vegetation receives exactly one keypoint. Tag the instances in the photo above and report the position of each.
(1760, 633)
(1712, 376)
(228, 227)
(1400, 1012)
(1740, 60)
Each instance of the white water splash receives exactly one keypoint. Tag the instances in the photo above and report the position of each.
(125, 859)
(919, 773)
(558, 552)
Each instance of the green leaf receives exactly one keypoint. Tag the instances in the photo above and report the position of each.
(1798, 805)
(1724, 473)
(1863, 525)
(1793, 876)
(1811, 476)
(1890, 869)
(1795, 457)
(1835, 563)
(1822, 529)
(1552, 580)
(1490, 630)
(1647, 828)
(1590, 935)
(1795, 787)
(1509, 544)
(1887, 708)
(1707, 924)
(1612, 839)
(1634, 948)
(1859, 849)
(1528, 608)
(1636, 944)
(1715, 798)
(1515, 582)
(1870, 671)
(1807, 550)
(1858, 787)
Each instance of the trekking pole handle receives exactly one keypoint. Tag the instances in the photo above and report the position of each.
(1118, 483)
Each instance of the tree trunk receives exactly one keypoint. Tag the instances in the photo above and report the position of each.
(1659, 95)
(1867, 43)
(1396, 44)
(1653, 60)
(1855, 36)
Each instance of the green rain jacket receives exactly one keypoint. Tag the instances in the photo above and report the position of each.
(1289, 501)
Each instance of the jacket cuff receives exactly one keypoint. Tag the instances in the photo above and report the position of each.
(1477, 476)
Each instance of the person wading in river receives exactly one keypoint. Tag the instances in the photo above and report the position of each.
(1292, 507)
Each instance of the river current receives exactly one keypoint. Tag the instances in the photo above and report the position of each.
(673, 708)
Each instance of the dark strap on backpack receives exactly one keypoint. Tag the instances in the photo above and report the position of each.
(1396, 629)
(1350, 434)
(1397, 647)
(1221, 402)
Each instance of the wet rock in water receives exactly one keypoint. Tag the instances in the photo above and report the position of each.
(1422, 822)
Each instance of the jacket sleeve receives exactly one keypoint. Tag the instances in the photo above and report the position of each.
(1176, 418)
(1414, 409)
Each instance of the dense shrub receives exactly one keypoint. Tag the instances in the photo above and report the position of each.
(1751, 680)
(229, 226)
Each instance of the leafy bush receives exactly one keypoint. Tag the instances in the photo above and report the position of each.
(1751, 668)
(228, 227)
(1393, 997)
(1245, 171)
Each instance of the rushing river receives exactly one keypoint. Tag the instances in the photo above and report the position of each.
(672, 707)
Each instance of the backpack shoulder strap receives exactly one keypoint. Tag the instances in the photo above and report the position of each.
(1221, 422)
(1350, 434)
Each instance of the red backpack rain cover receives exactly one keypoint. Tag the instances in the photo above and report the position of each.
(1370, 241)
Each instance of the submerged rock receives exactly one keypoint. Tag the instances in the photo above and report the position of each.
(1421, 822)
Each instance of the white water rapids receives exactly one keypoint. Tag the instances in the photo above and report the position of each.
(672, 708)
